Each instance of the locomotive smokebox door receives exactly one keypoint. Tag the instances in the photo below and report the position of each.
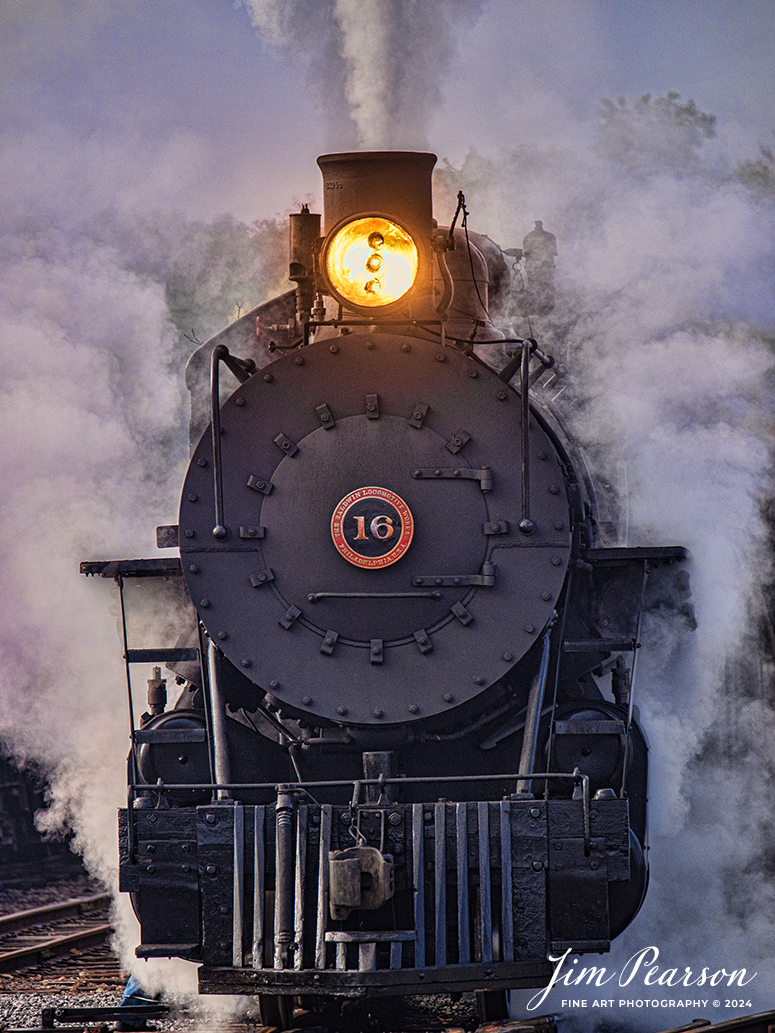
(381, 482)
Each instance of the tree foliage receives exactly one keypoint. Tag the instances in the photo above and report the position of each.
(655, 135)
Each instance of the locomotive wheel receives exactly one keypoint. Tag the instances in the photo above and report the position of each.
(276, 1010)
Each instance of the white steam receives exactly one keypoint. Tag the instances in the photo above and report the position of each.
(385, 62)
(665, 319)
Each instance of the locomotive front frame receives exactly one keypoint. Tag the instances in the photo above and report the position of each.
(406, 874)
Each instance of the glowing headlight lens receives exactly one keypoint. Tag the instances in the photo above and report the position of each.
(371, 262)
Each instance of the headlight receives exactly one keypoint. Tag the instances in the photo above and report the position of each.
(371, 262)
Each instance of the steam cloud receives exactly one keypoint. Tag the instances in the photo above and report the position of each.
(395, 57)
(665, 319)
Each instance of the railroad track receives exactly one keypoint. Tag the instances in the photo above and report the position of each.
(33, 937)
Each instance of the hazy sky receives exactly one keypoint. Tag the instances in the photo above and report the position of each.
(182, 104)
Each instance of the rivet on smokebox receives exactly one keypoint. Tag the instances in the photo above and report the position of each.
(245, 662)
(204, 603)
(413, 708)
(508, 657)
(274, 684)
(556, 561)
(341, 711)
(377, 712)
(192, 496)
(478, 680)
(307, 701)
(501, 396)
(201, 462)
(473, 373)
(194, 568)
(546, 596)
(239, 401)
(529, 628)
(448, 697)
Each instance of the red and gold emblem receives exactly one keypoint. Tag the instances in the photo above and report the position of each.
(372, 527)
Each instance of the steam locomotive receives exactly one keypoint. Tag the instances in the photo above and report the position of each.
(405, 757)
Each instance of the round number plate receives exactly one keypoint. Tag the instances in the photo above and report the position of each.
(372, 527)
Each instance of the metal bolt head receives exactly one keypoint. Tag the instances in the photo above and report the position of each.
(211, 819)
(245, 661)
(441, 357)
(478, 680)
(553, 489)
(344, 818)
(192, 496)
(538, 866)
(508, 657)
(543, 455)
(211, 869)
(150, 849)
(558, 525)
(223, 635)
(501, 396)
(394, 818)
(593, 865)
(201, 462)
(546, 596)
(535, 812)
(239, 401)
(377, 712)
(556, 561)
(341, 710)
(274, 684)
(448, 697)
(334, 348)
(151, 869)
(473, 373)
(204, 603)
(299, 360)
(406, 347)
(194, 568)
(529, 628)
(189, 532)
(307, 700)
(268, 377)
(413, 708)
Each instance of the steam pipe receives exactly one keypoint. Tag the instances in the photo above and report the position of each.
(526, 525)
(285, 889)
(218, 714)
(242, 370)
(534, 704)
